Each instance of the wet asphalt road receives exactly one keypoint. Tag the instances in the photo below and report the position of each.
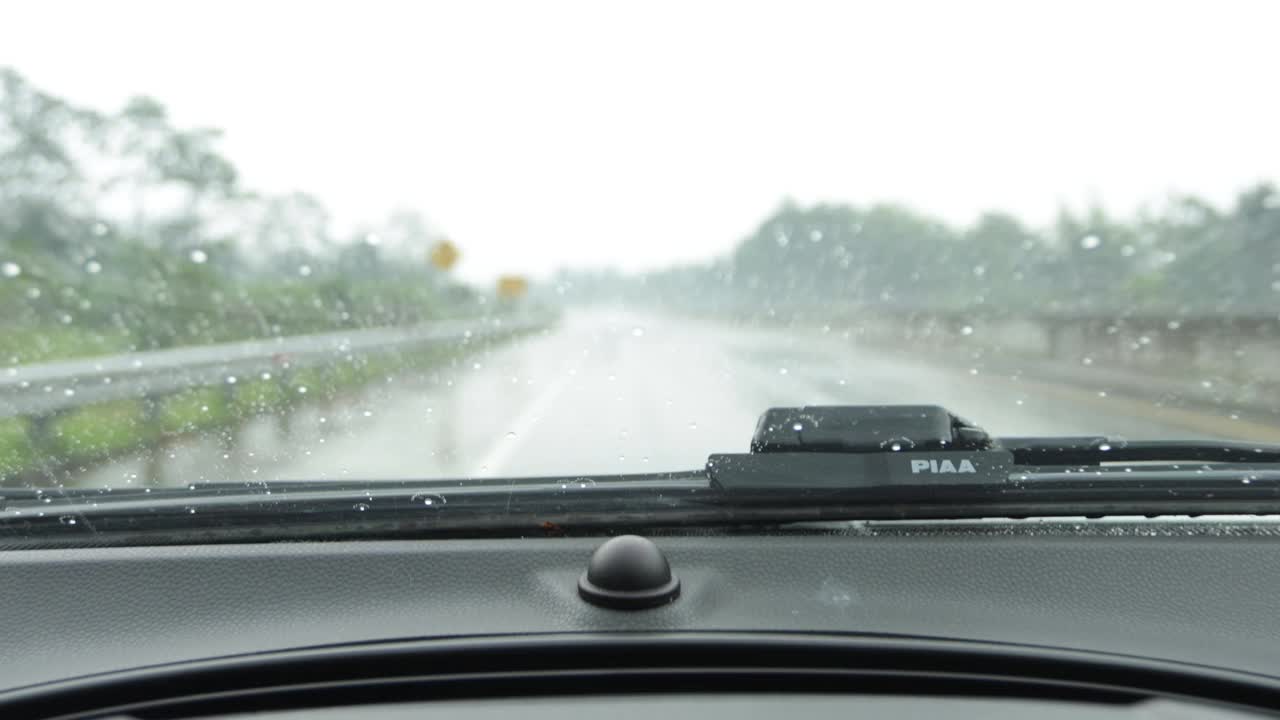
(613, 391)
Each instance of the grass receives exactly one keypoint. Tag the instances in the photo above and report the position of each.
(23, 345)
(120, 427)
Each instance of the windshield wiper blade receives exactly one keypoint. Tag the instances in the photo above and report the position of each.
(1095, 450)
(940, 468)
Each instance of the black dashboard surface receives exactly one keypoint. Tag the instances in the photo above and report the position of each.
(1201, 597)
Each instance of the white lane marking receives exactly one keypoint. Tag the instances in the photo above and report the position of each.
(492, 462)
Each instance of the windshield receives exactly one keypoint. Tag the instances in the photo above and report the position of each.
(248, 243)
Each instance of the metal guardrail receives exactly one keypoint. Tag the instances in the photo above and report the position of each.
(47, 388)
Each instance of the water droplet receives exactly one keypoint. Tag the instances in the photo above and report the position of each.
(973, 371)
(430, 500)
(360, 507)
(191, 511)
(69, 392)
(199, 256)
(100, 229)
(1086, 360)
(966, 330)
(637, 332)
(475, 366)
(1128, 251)
(1105, 447)
(897, 444)
(1173, 324)
(511, 435)
(93, 267)
(231, 379)
(1089, 242)
(304, 270)
(1102, 393)
(1206, 384)
(782, 239)
(693, 426)
(782, 371)
(11, 269)
(302, 389)
(266, 376)
(368, 413)
(373, 239)
(797, 427)
(67, 519)
(979, 270)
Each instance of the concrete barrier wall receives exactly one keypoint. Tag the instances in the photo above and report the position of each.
(1238, 348)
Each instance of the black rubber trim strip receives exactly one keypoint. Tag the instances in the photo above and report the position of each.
(491, 666)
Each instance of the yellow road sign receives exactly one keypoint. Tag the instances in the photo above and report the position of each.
(444, 255)
(511, 287)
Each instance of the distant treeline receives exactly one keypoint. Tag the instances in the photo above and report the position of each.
(1186, 257)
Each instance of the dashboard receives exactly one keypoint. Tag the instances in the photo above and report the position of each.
(1106, 611)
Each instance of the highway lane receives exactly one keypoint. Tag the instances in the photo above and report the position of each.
(616, 391)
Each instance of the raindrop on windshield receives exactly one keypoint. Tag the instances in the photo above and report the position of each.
(637, 332)
(93, 267)
(67, 519)
(360, 507)
(897, 444)
(199, 256)
(966, 330)
(304, 270)
(1089, 242)
(99, 229)
(430, 500)
(511, 435)
(782, 371)
(11, 269)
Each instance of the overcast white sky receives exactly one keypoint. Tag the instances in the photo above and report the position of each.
(541, 133)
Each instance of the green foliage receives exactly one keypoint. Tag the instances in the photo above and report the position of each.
(1189, 257)
(195, 259)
